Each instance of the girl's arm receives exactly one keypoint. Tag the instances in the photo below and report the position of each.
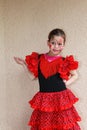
(23, 63)
(73, 77)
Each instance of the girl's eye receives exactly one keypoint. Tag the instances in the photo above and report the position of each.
(53, 42)
(59, 44)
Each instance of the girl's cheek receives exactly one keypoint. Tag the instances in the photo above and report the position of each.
(50, 45)
(61, 48)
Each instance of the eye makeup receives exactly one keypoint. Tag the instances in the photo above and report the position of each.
(58, 43)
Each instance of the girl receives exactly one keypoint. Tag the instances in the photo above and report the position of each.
(54, 103)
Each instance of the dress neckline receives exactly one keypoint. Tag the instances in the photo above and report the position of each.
(51, 58)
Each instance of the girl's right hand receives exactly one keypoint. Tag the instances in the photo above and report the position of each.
(19, 60)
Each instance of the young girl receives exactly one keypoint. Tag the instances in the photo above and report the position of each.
(54, 103)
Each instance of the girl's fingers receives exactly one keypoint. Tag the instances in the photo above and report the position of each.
(16, 59)
(19, 60)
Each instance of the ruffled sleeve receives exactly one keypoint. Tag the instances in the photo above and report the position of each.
(32, 63)
(67, 65)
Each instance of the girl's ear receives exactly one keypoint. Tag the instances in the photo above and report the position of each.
(49, 45)
(47, 42)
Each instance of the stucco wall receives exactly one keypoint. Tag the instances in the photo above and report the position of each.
(24, 27)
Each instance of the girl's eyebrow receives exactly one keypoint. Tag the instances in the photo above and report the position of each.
(60, 40)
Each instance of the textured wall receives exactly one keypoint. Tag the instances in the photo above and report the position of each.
(24, 26)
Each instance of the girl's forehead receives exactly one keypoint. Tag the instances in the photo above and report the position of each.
(58, 38)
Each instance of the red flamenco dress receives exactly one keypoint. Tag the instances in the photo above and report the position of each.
(53, 104)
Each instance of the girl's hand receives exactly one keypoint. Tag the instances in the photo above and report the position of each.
(64, 81)
(19, 60)
(72, 78)
(23, 63)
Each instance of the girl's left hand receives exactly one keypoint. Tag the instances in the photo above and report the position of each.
(64, 81)
(72, 78)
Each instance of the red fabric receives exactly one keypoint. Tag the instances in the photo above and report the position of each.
(48, 120)
(59, 65)
(49, 68)
(32, 63)
(66, 66)
(74, 127)
(54, 101)
(55, 110)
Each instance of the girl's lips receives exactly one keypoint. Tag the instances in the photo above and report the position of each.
(55, 50)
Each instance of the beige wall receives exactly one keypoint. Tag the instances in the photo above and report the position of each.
(24, 26)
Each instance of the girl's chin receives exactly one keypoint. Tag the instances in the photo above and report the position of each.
(56, 52)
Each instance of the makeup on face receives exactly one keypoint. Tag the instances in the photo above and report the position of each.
(56, 45)
(49, 45)
(58, 42)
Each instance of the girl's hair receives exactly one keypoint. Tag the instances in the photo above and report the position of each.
(57, 32)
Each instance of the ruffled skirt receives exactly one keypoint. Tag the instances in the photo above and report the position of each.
(54, 111)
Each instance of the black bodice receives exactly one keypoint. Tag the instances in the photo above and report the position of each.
(53, 83)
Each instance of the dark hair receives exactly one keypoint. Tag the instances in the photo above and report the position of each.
(57, 32)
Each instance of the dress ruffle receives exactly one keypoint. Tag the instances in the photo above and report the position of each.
(32, 63)
(54, 101)
(49, 120)
(74, 127)
(59, 65)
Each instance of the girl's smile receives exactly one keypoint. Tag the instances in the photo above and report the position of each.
(55, 50)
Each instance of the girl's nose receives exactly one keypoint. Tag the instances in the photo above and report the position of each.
(56, 45)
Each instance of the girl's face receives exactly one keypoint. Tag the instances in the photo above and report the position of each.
(56, 45)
